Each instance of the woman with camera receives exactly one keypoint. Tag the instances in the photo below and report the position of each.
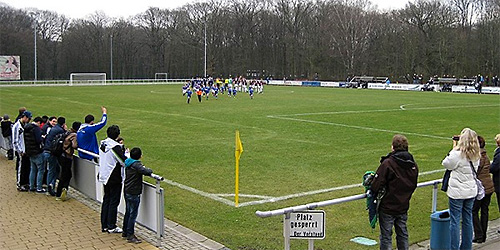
(463, 161)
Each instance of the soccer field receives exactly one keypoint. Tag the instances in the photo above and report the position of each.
(301, 145)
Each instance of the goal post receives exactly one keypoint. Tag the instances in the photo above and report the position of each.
(87, 78)
(161, 77)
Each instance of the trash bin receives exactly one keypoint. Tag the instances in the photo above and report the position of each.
(440, 230)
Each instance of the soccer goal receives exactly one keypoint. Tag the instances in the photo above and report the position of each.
(161, 77)
(87, 78)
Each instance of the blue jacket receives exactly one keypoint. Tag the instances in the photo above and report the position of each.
(57, 129)
(87, 139)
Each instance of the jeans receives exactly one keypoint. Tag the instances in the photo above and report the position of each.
(386, 223)
(110, 202)
(132, 202)
(461, 209)
(37, 170)
(66, 174)
(52, 167)
(481, 224)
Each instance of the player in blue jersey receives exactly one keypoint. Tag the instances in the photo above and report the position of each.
(185, 88)
(215, 91)
(250, 92)
(234, 92)
(189, 93)
(206, 91)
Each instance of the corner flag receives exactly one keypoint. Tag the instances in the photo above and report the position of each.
(237, 154)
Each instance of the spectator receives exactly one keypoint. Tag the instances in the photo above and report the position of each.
(86, 135)
(462, 160)
(495, 170)
(134, 170)
(7, 135)
(44, 121)
(22, 160)
(21, 112)
(33, 145)
(483, 174)
(51, 122)
(51, 160)
(111, 162)
(65, 161)
(396, 176)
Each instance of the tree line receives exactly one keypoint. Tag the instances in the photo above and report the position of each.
(296, 39)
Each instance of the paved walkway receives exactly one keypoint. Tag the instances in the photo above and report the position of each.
(37, 221)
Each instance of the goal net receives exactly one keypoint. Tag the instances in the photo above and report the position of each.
(87, 78)
(161, 77)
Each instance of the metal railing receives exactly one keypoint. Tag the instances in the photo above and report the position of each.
(310, 206)
(151, 209)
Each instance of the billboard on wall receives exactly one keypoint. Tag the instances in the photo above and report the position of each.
(10, 68)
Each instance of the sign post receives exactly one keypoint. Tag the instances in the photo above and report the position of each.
(308, 225)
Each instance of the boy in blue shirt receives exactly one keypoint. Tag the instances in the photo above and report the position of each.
(86, 135)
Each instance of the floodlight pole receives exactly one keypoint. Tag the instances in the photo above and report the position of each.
(34, 15)
(111, 57)
(205, 48)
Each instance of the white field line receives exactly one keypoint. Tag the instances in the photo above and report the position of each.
(401, 108)
(359, 127)
(268, 199)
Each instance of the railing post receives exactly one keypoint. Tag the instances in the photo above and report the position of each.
(286, 231)
(434, 197)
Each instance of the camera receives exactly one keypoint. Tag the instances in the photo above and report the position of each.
(456, 137)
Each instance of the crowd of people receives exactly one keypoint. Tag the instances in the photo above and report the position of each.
(206, 87)
(470, 172)
(44, 149)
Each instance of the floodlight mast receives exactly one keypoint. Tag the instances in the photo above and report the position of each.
(34, 15)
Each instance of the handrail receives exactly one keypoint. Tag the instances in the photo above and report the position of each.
(154, 176)
(309, 206)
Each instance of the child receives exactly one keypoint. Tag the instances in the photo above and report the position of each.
(134, 170)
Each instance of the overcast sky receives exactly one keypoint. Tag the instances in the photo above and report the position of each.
(126, 8)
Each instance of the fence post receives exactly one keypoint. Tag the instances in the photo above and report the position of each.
(159, 213)
(286, 231)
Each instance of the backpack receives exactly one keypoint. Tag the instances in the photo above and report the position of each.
(57, 144)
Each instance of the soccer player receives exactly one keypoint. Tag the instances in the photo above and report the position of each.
(189, 93)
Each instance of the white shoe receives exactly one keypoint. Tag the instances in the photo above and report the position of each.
(115, 230)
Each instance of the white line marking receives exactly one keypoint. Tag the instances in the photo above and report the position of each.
(384, 110)
(246, 196)
(199, 192)
(361, 127)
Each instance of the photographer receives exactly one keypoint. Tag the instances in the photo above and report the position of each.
(462, 160)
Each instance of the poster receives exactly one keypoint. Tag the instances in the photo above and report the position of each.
(10, 68)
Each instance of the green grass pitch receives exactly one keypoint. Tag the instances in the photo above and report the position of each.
(295, 140)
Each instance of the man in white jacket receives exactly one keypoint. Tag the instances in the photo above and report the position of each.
(111, 173)
(22, 160)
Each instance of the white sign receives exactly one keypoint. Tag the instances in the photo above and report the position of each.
(307, 225)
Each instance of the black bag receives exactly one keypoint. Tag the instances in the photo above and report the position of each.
(57, 144)
(446, 180)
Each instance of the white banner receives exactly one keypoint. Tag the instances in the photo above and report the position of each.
(10, 68)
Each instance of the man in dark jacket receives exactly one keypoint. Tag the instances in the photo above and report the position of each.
(7, 135)
(51, 160)
(134, 170)
(397, 174)
(495, 170)
(33, 146)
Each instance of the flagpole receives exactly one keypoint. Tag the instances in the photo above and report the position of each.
(237, 153)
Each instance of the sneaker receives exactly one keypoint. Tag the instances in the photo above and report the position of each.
(104, 230)
(115, 230)
(124, 235)
(64, 194)
(41, 191)
(58, 199)
(133, 239)
(22, 189)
